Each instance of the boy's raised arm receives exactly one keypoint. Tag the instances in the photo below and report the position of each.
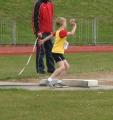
(74, 27)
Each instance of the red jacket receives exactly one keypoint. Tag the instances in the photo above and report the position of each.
(43, 17)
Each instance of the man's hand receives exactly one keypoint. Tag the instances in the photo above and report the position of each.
(39, 35)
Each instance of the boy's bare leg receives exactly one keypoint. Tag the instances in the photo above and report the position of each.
(59, 70)
(66, 64)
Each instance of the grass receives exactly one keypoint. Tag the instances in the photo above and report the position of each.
(21, 11)
(55, 105)
(80, 63)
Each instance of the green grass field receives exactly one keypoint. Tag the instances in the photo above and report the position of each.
(55, 105)
(21, 11)
(80, 63)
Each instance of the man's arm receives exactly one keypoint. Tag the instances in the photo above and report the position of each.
(35, 18)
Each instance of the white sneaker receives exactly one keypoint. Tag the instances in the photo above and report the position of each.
(51, 83)
(60, 84)
(59, 81)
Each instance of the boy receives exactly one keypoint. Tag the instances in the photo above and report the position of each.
(58, 49)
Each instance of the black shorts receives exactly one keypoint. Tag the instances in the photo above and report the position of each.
(58, 57)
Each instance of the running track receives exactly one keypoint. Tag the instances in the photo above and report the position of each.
(26, 50)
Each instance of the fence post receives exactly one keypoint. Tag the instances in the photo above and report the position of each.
(14, 32)
(95, 31)
(0, 31)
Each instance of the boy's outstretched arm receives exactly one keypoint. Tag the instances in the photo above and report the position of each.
(40, 42)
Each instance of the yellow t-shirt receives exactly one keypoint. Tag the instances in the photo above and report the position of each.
(60, 38)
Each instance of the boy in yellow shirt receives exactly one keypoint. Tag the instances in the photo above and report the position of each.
(58, 49)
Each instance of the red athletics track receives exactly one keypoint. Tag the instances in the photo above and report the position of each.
(26, 50)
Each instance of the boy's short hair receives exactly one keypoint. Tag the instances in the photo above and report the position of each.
(59, 21)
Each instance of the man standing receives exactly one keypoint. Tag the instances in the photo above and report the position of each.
(43, 26)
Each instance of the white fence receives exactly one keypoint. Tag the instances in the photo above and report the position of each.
(7, 31)
(90, 31)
